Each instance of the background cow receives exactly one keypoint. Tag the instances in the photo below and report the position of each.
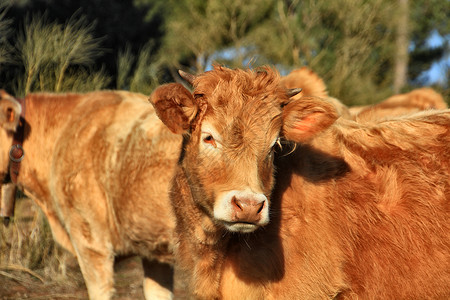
(396, 105)
(98, 165)
(344, 210)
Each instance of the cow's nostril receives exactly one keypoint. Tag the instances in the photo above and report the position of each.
(261, 206)
(236, 203)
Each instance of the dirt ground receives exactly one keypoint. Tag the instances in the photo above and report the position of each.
(19, 284)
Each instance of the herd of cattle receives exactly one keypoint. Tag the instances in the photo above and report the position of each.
(246, 187)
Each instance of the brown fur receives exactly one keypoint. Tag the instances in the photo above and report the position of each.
(98, 164)
(356, 210)
(402, 104)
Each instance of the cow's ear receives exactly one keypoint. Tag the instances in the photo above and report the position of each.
(175, 106)
(10, 111)
(306, 117)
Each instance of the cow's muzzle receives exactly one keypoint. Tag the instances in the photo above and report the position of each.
(247, 210)
(242, 211)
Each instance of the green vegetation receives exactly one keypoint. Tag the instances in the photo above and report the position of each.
(355, 45)
(5, 32)
(56, 57)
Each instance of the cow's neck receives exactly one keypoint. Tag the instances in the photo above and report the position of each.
(202, 244)
(46, 118)
(207, 251)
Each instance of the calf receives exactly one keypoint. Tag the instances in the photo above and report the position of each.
(98, 165)
(341, 210)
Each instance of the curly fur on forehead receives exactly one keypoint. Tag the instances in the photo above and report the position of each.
(244, 104)
(256, 84)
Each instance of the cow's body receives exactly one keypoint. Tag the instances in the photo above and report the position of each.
(98, 164)
(356, 210)
(401, 104)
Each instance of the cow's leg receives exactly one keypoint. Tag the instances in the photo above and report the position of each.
(59, 233)
(97, 267)
(158, 280)
(95, 256)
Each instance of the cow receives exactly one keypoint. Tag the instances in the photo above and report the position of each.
(278, 198)
(98, 164)
(414, 101)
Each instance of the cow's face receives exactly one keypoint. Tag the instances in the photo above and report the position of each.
(230, 153)
(235, 119)
(10, 111)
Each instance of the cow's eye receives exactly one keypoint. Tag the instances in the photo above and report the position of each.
(209, 139)
(276, 143)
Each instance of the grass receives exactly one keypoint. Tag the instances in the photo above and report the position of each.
(5, 32)
(58, 58)
(32, 265)
(137, 74)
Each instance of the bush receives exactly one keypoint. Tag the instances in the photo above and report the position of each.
(58, 57)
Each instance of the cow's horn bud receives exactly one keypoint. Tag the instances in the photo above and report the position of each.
(293, 92)
(187, 76)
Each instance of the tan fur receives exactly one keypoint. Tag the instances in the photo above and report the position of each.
(358, 211)
(99, 164)
(397, 105)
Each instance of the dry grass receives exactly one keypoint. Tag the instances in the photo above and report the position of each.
(27, 245)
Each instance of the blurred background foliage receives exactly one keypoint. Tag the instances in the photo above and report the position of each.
(364, 50)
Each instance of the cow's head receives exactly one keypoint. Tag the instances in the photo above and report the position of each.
(233, 121)
(10, 111)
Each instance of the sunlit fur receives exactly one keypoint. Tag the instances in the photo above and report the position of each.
(401, 104)
(358, 211)
(98, 165)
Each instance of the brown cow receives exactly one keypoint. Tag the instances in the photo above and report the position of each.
(402, 104)
(98, 165)
(349, 211)
(396, 105)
